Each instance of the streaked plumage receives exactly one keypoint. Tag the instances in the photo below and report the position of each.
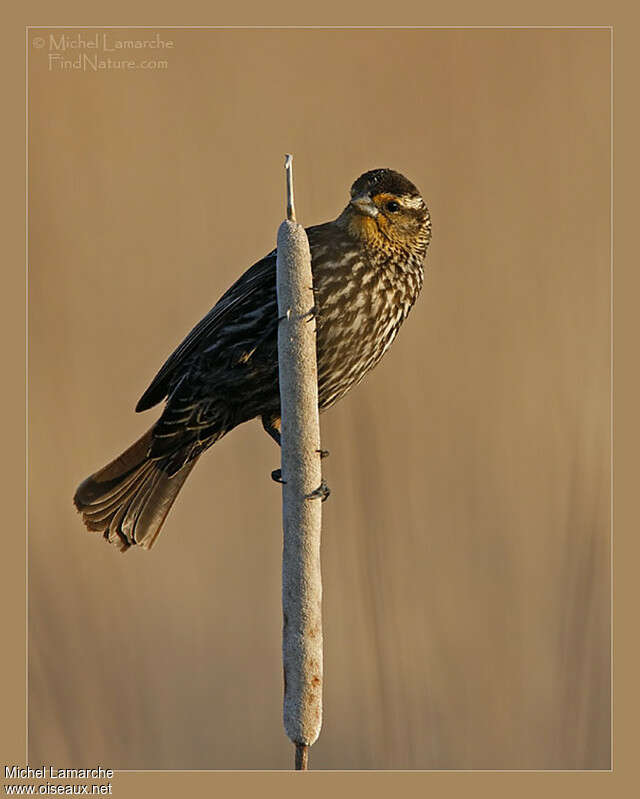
(367, 273)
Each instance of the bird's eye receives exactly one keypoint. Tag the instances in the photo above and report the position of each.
(393, 206)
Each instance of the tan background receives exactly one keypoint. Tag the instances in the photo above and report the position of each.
(466, 543)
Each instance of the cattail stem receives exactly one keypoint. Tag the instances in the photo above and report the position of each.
(301, 476)
(291, 209)
(302, 757)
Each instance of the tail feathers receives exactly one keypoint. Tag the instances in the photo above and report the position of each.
(128, 500)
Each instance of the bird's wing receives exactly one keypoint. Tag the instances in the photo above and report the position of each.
(205, 332)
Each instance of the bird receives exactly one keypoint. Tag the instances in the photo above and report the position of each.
(368, 270)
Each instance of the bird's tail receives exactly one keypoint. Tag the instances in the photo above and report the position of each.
(128, 499)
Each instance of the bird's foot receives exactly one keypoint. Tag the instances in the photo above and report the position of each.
(311, 313)
(324, 453)
(321, 492)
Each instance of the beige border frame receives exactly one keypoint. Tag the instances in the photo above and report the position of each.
(625, 405)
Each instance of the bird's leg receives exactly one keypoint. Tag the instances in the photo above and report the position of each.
(272, 425)
(322, 491)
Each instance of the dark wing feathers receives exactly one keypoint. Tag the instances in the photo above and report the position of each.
(252, 280)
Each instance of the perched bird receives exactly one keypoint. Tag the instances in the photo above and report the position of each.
(367, 273)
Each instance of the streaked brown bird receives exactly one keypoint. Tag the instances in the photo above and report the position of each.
(367, 272)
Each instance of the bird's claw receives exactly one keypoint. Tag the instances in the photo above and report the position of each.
(311, 313)
(321, 492)
(324, 453)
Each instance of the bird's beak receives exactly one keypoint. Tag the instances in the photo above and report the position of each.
(364, 205)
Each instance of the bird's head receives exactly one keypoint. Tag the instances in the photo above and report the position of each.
(387, 211)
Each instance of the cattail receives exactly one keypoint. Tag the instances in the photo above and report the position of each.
(302, 479)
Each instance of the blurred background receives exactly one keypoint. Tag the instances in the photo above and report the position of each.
(466, 549)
